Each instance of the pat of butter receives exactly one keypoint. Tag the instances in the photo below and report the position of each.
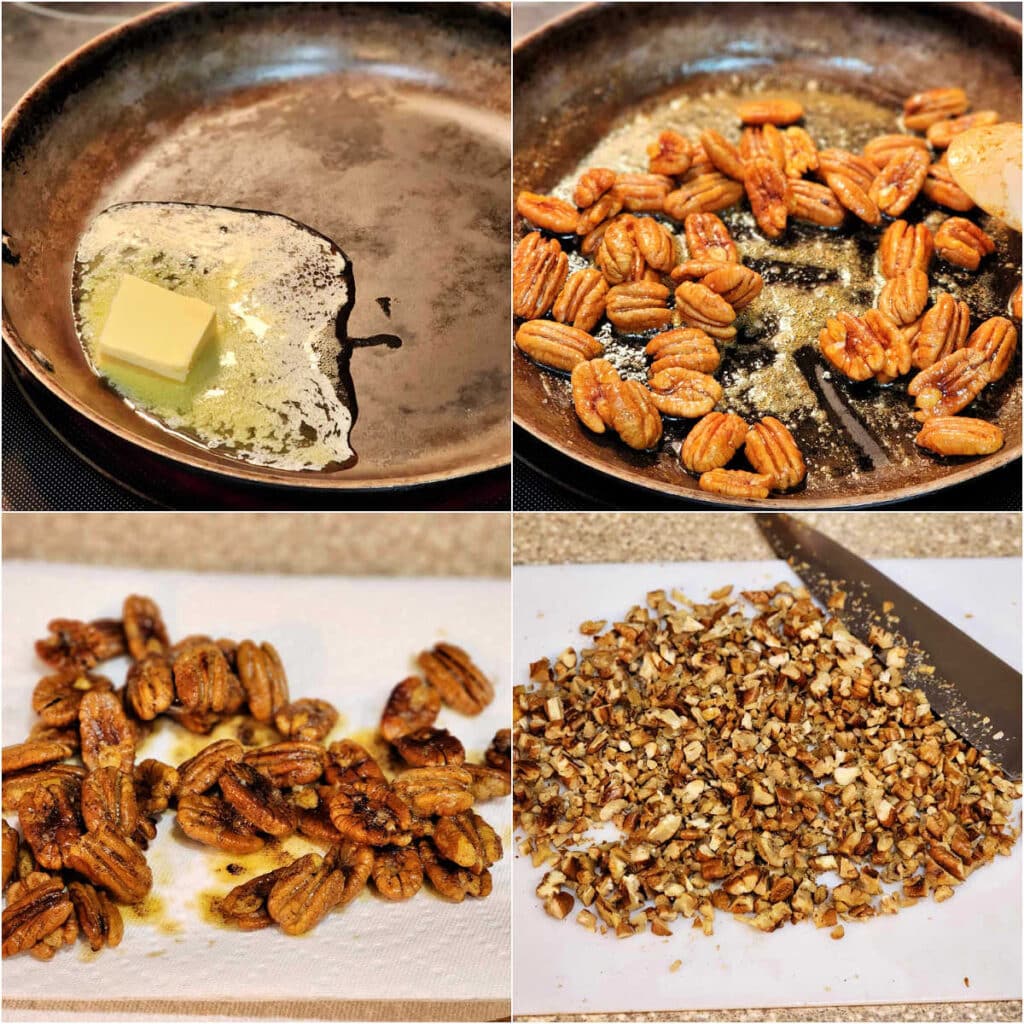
(156, 329)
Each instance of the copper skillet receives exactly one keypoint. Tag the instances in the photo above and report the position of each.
(382, 126)
(598, 68)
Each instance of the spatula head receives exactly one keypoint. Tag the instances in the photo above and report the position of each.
(985, 162)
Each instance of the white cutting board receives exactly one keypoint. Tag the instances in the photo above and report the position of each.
(343, 639)
(922, 954)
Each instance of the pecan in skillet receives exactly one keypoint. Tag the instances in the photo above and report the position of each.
(33, 912)
(713, 441)
(723, 154)
(737, 284)
(32, 753)
(642, 192)
(262, 675)
(592, 184)
(707, 238)
(593, 384)
(852, 347)
(200, 773)
(98, 916)
(996, 339)
(499, 753)
(11, 843)
(547, 212)
(959, 435)
(50, 822)
(144, 629)
(634, 416)
(451, 671)
(941, 133)
(150, 686)
(899, 181)
(905, 247)
(214, 822)
(488, 783)
(943, 330)
(557, 346)
(306, 719)
(950, 384)
(941, 189)
(108, 795)
(656, 243)
(881, 149)
(771, 450)
(688, 394)
(371, 812)
(397, 872)
(57, 698)
(301, 898)
(816, 204)
(257, 799)
(449, 880)
(435, 791)
(894, 342)
(770, 111)
(600, 215)
(923, 109)
(539, 269)
(735, 483)
(698, 306)
(706, 193)
(962, 243)
(413, 704)
(638, 306)
(850, 177)
(81, 645)
(108, 738)
(903, 297)
(619, 256)
(1015, 303)
(348, 761)
(201, 678)
(291, 763)
(430, 747)
(765, 142)
(688, 347)
(801, 152)
(109, 859)
(669, 154)
(467, 840)
(768, 191)
(581, 301)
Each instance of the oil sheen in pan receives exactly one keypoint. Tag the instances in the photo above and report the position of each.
(773, 367)
(274, 388)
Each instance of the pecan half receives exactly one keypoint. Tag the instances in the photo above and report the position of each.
(499, 752)
(735, 483)
(923, 109)
(634, 416)
(108, 738)
(687, 347)
(11, 845)
(763, 141)
(669, 154)
(852, 347)
(413, 704)
(201, 678)
(488, 783)
(199, 722)
(905, 247)
(619, 256)
(638, 306)
(58, 697)
(15, 786)
(724, 156)
(656, 243)
(698, 306)
(737, 284)
(291, 763)
(996, 340)
(450, 881)
(397, 872)
(943, 330)
(593, 385)
(800, 151)
(199, 773)
(539, 269)
(684, 393)
(108, 795)
(81, 645)
(941, 188)
(816, 204)
(245, 906)
(959, 435)
(771, 450)
(306, 719)
(581, 301)
(599, 214)
(941, 133)
(1015, 303)
(314, 815)
(547, 212)
(430, 747)
(355, 862)
(257, 799)
(770, 111)
(707, 238)
(98, 916)
(903, 297)
(713, 442)
(50, 823)
(109, 859)
(899, 182)
(557, 346)
(895, 344)
(372, 812)
(144, 629)
(156, 784)
(962, 243)
(150, 686)
(301, 898)
(850, 177)
(435, 791)
(455, 676)
(950, 384)
(214, 822)
(33, 753)
(706, 193)
(881, 149)
(593, 184)
(642, 192)
(37, 912)
(768, 191)
(467, 840)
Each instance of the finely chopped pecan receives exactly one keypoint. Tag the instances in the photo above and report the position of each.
(905, 247)
(996, 339)
(430, 747)
(581, 301)
(670, 154)
(455, 676)
(923, 109)
(962, 243)
(707, 238)
(108, 738)
(144, 629)
(735, 483)
(397, 872)
(768, 191)
(959, 435)
(539, 269)
(950, 384)
(547, 212)
(638, 306)
(109, 859)
(713, 442)
(899, 181)
(772, 452)
(684, 393)
(58, 697)
(555, 345)
(688, 347)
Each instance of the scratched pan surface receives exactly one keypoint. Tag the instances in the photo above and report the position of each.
(382, 126)
(595, 87)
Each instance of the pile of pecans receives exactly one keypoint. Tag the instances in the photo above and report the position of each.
(619, 221)
(84, 826)
(771, 765)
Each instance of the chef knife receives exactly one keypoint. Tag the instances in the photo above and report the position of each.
(977, 694)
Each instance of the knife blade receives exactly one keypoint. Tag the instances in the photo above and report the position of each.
(977, 694)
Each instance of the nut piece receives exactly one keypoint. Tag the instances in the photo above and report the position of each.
(414, 704)
(735, 483)
(37, 912)
(713, 442)
(58, 697)
(581, 301)
(686, 347)
(430, 791)
(724, 156)
(593, 384)
(881, 149)
(156, 784)
(451, 671)
(291, 763)
(306, 719)
(850, 345)
(108, 796)
(899, 182)
(684, 393)
(109, 859)
(638, 306)
(941, 133)
(557, 346)
(213, 821)
(199, 773)
(449, 880)
(257, 799)
(850, 177)
(303, 897)
(263, 678)
(763, 141)
(592, 184)
(768, 191)
(634, 416)
(669, 154)
(641, 193)
(923, 109)
(201, 678)
(372, 813)
(770, 111)
(996, 339)
(959, 435)
(950, 384)
(707, 238)
(98, 916)
(771, 450)
(547, 212)
(144, 629)
(905, 247)
(801, 152)
(816, 204)
(903, 297)
(539, 269)
(430, 747)
(12, 842)
(942, 189)
(499, 753)
(706, 193)
(108, 738)
(698, 306)
(81, 645)
(962, 243)
(150, 686)
(397, 872)
(16, 786)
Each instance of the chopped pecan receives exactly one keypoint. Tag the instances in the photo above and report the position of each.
(199, 773)
(593, 184)
(881, 149)
(109, 859)
(619, 256)
(959, 435)
(11, 844)
(33, 753)
(435, 791)
(600, 214)
(144, 629)
(737, 284)
(903, 297)
(816, 204)
(735, 483)
(801, 152)
(724, 156)
(656, 243)
(770, 111)
(57, 698)
(593, 384)
(771, 450)
(941, 133)
(850, 177)
(547, 212)
(50, 822)
(98, 916)
(108, 795)
(257, 799)
(414, 704)
(455, 676)
(923, 109)
(397, 872)
(201, 678)
(306, 719)
(488, 783)
(301, 898)
(687, 347)
(638, 306)
(449, 880)
(37, 911)
(905, 247)
(555, 345)
(150, 686)
(996, 340)
(291, 763)
(707, 238)
(642, 192)
(108, 738)
(347, 761)
(706, 193)
(539, 269)
(962, 243)
(850, 345)
(430, 747)
(467, 840)
(698, 306)
(713, 442)
(688, 394)
(943, 330)
(214, 822)
(81, 645)
(768, 191)
(372, 812)
(669, 154)
(950, 384)
(581, 301)
(764, 141)
(634, 416)
(899, 182)
(245, 906)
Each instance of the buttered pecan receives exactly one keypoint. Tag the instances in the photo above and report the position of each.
(600, 213)
(11, 844)
(16, 785)
(949, 385)
(372, 812)
(698, 306)
(547, 212)
(98, 916)
(713, 442)
(899, 181)
(619, 256)
(81, 645)
(940, 187)
(430, 747)
(539, 269)
(959, 435)
(108, 738)
(962, 243)
(302, 897)
(593, 384)
(735, 483)
(895, 344)
(291, 763)
(850, 345)
(943, 330)
(642, 192)
(214, 822)
(201, 678)
(707, 238)
(555, 345)
(150, 686)
(737, 284)
(903, 297)
(706, 193)
(800, 151)
(923, 109)
(31, 754)
(724, 156)
(669, 154)
(57, 698)
(458, 680)
(108, 795)
(156, 784)
(996, 340)
(688, 347)
(488, 783)
(771, 450)
(656, 243)
(306, 719)
(449, 880)
(257, 799)
(581, 301)
(50, 823)
(355, 862)
(201, 772)
(770, 111)
(941, 133)
(634, 416)
(36, 912)
(198, 721)
(638, 306)
(144, 629)
(314, 816)
(592, 184)
(881, 149)
(684, 393)
(700, 164)
(850, 177)
(905, 247)
(467, 840)
(815, 203)
(397, 872)
(413, 704)
(763, 141)
(245, 906)
(499, 751)
(435, 791)
(109, 859)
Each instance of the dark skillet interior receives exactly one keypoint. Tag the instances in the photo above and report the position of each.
(615, 71)
(382, 126)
